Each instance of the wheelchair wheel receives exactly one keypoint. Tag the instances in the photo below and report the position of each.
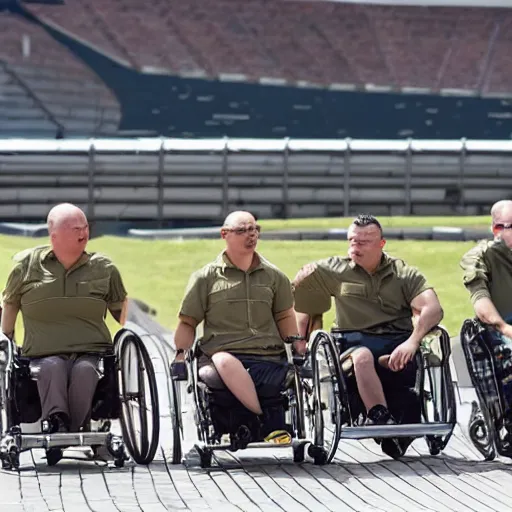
(437, 393)
(481, 433)
(482, 422)
(140, 414)
(327, 401)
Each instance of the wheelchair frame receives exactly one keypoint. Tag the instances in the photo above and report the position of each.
(303, 404)
(13, 441)
(441, 397)
(484, 423)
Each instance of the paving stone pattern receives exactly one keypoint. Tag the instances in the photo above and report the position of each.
(360, 478)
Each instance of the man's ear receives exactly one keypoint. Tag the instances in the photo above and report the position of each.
(382, 243)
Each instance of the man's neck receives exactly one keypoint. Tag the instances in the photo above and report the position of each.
(242, 261)
(67, 260)
(371, 269)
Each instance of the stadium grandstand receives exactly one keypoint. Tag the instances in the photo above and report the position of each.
(256, 68)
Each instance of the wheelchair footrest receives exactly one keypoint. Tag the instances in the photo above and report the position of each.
(29, 441)
(259, 444)
(405, 430)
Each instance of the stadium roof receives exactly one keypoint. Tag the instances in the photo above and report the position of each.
(439, 3)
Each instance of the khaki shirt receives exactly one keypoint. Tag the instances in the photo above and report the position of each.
(374, 303)
(64, 311)
(488, 273)
(238, 307)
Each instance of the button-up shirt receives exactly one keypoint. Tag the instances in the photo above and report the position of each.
(238, 307)
(375, 303)
(488, 273)
(64, 310)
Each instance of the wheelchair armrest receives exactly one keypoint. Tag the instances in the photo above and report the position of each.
(436, 334)
(8, 350)
(195, 351)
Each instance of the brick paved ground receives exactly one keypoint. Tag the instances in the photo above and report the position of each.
(360, 479)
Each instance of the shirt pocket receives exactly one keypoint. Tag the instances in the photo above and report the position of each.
(353, 290)
(391, 299)
(223, 291)
(262, 317)
(96, 288)
(262, 293)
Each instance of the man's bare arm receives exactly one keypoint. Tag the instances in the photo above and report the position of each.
(9, 315)
(287, 325)
(430, 313)
(185, 334)
(488, 314)
(307, 324)
(120, 314)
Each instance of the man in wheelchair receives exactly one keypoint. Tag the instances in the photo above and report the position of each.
(488, 279)
(63, 293)
(376, 297)
(246, 306)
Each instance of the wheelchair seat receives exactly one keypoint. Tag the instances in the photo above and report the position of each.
(229, 416)
(423, 404)
(126, 376)
(26, 408)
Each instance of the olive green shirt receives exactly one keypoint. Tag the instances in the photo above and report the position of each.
(375, 303)
(238, 307)
(488, 273)
(64, 311)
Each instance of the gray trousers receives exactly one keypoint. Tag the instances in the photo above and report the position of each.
(67, 384)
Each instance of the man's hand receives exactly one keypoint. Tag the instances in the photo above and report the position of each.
(304, 272)
(300, 347)
(179, 357)
(506, 330)
(402, 355)
(178, 367)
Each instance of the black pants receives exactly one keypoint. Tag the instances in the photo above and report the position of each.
(403, 401)
(269, 380)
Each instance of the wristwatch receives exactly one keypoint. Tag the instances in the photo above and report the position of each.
(179, 351)
(293, 339)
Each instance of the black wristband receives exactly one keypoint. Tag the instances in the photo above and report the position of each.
(293, 339)
(179, 351)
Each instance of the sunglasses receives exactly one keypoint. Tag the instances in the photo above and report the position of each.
(243, 231)
(501, 227)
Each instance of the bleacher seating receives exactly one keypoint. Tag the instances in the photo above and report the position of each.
(60, 92)
(19, 114)
(306, 41)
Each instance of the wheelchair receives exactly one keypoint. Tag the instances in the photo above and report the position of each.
(127, 391)
(218, 414)
(490, 369)
(433, 390)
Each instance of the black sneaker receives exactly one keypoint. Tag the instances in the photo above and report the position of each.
(58, 423)
(392, 446)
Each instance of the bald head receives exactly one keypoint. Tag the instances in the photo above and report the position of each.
(63, 214)
(238, 218)
(241, 234)
(69, 232)
(501, 210)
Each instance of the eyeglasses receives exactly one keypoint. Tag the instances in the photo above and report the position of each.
(243, 231)
(501, 227)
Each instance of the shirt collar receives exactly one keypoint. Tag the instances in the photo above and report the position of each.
(222, 261)
(385, 261)
(48, 254)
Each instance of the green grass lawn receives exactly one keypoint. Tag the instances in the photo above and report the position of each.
(387, 222)
(157, 271)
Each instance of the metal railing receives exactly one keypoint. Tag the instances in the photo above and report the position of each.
(448, 173)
